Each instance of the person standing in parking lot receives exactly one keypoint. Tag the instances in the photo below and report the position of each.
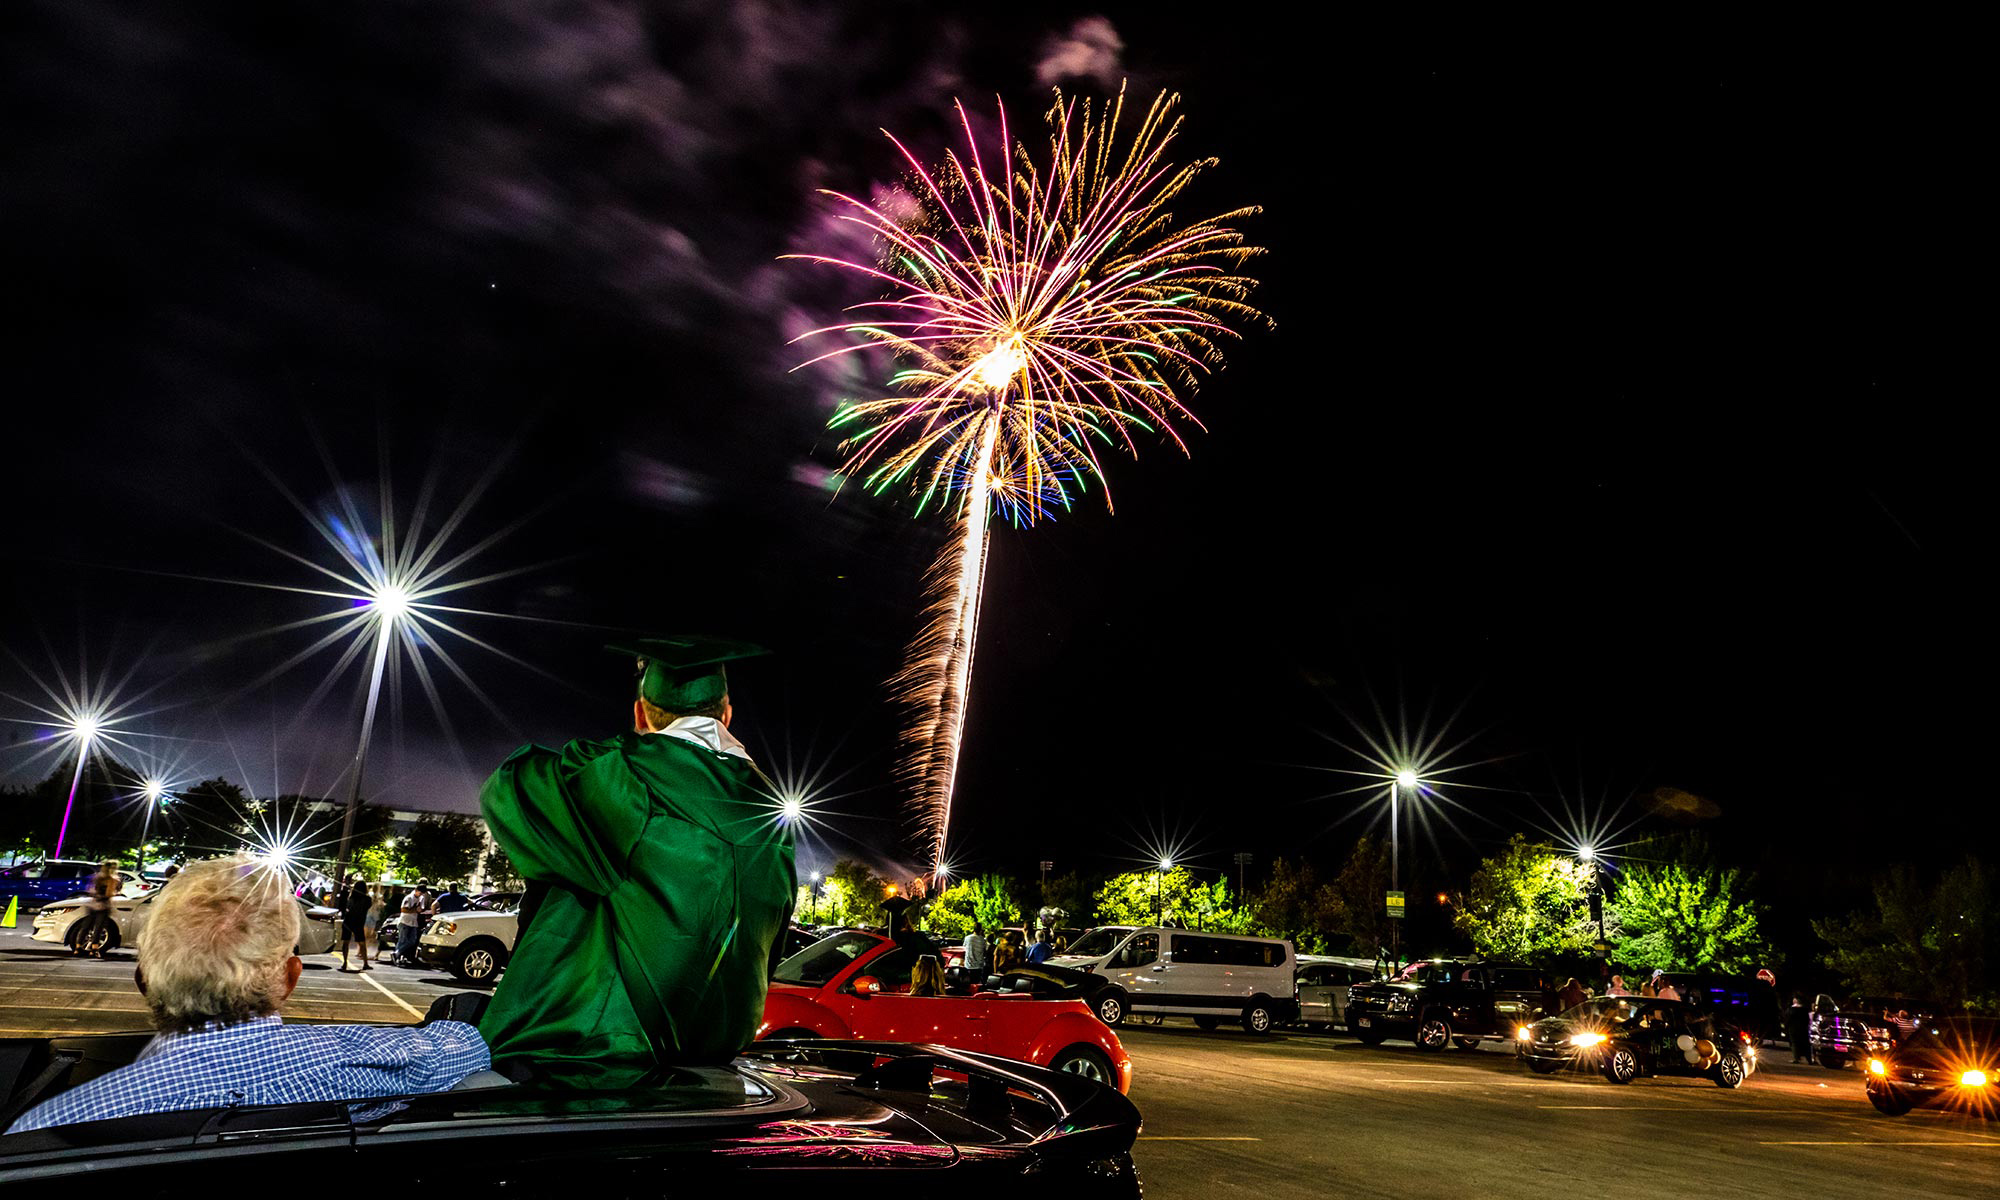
(664, 877)
(410, 922)
(96, 920)
(1044, 946)
(976, 959)
(354, 926)
(450, 900)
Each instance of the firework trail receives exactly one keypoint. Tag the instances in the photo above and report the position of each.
(1041, 312)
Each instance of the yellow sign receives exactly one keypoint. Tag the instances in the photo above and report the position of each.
(1396, 904)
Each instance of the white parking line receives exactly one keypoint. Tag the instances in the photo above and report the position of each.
(400, 1002)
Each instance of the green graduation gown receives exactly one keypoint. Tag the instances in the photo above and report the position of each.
(671, 881)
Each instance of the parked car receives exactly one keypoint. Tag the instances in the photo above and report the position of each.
(1628, 1036)
(48, 880)
(1089, 948)
(1438, 1002)
(1860, 1027)
(1322, 988)
(472, 944)
(806, 1119)
(1952, 1062)
(497, 901)
(856, 985)
(319, 928)
(1211, 977)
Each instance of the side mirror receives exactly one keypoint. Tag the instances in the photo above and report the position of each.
(866, 985)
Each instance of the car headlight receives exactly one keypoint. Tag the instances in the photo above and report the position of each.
(1973, 1079)
(444, 927)
(1877, 1067)
(1524, 1033)
(1586, 1039)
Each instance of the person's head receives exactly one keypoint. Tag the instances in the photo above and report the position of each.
(218, 946)
(423, 885)
(173, 869)
(1618, 981)
(928, 975)
(108, 867)
(1571, 982)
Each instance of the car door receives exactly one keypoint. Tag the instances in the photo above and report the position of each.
(893, 1015)
(1316, 1003)
(1344, 978)
(1137, 967)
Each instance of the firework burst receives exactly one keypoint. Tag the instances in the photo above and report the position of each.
(1042, 311)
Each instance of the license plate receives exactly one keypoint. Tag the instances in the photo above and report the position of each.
(1364, 1022)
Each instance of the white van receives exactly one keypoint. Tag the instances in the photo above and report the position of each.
(1211, 977)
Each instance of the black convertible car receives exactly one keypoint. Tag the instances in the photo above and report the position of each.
(823, 1113)
(1629, 1036)
(1952, 1063)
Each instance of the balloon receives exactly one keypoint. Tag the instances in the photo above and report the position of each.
(1684, 1042)
(1692, 1057)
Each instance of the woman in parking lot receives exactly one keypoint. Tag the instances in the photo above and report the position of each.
(96, 909)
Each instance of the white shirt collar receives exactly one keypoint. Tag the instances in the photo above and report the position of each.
(709, 732)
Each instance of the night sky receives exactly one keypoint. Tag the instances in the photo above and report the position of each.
(1603, 428)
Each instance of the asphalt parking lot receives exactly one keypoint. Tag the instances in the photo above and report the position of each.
(1312, 1115)
(43, 990)
(1322, 1115)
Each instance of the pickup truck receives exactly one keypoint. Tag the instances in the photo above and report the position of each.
(1438, 1002)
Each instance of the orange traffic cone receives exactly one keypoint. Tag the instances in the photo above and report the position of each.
(13, 907)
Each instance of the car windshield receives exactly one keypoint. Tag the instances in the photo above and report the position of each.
(1097, 943)
(824, 959)
(1429, 972)
(1614, 1008)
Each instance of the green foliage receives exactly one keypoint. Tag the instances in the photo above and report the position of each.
(1173, 897)
(849, 894)
(1145, 897)
(442, 847)
(1527, 903)
(1939, 941)
(202, 821)
(987, 902)
(1294, 903)
(1360, 894)
(1679, 911)
(1071, 894)
(498, 871)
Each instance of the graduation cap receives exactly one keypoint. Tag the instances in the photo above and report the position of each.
(680, 673)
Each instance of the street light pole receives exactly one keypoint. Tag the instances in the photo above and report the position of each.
(390, 606)
(153, 793)
(1159, 891)
(85, 729)
(1404, 779)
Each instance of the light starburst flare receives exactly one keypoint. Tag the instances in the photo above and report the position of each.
(1043, 309)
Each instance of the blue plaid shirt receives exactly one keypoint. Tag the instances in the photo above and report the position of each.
(265, 1061)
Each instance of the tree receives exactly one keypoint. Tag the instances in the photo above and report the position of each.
(1679, 911)
(1361, 890)
(1295, 904)
(987, 902)
(203, 821)
(1173, 897)
(1069, 893)
(1939, 941)
(442, 846)
(1528, 903)
(849, 894)
(498, 870)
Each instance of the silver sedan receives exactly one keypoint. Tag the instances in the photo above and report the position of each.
(319, 928)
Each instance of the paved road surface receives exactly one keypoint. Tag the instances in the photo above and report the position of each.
(1323, 1116)
(44, 990)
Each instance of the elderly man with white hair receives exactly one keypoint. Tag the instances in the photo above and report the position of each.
(215, 966)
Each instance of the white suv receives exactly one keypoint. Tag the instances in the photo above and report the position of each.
(472, 944)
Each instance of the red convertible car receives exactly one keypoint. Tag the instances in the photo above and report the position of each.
(856, 985)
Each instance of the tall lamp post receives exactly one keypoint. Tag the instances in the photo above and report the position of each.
(1406, 779)
(84, 730)
(813, 907)
(1159, 891)
(390, 604)
(154, 792)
